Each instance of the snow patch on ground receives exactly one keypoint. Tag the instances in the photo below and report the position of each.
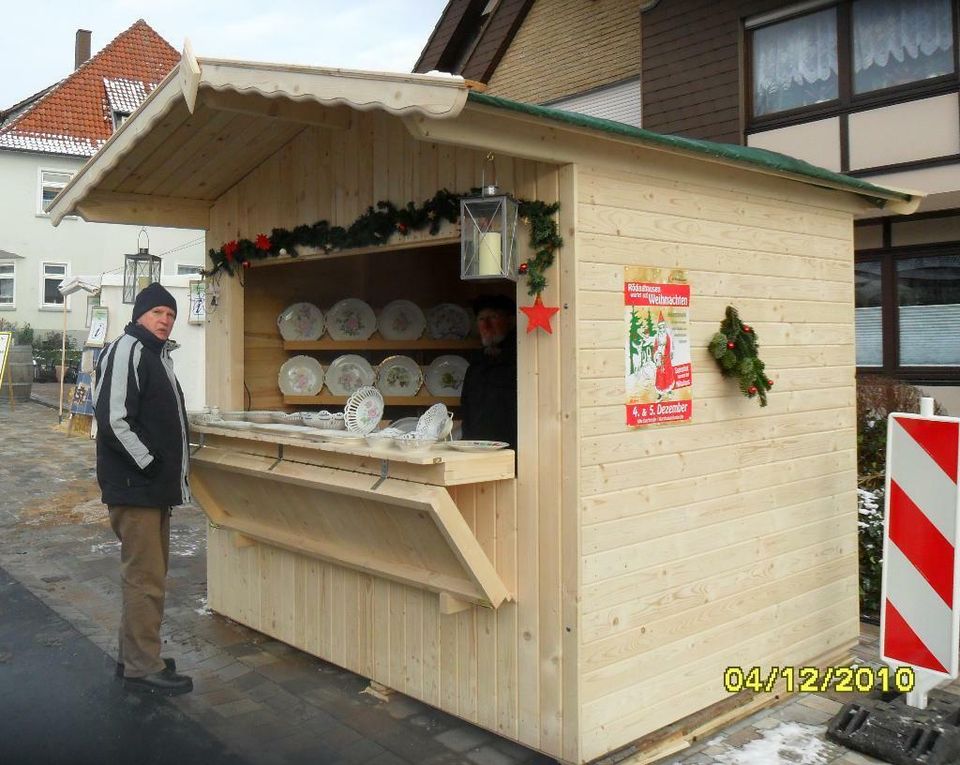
(788, 744)
(105, 547)
(187, 543)
(204, 610)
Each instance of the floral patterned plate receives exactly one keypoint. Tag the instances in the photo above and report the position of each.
(348, 373)
(300, 376)
(401, 320)
(448, 321)
(399, 376)
(444, 376)
(301, 321)
(351, 319)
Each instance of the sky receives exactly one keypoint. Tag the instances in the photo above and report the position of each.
(37, 37)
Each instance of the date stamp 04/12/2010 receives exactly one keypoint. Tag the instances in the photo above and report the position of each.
(862, 679)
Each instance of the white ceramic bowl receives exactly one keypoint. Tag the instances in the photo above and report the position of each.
(414, 443)
(323, 420)
(260, 417)
(234, 416)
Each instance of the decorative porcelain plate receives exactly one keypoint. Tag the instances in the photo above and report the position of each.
(351, 319)
(478, 446)
(444, 376)
(405, 424)
(432, 422)
(301, 321)
(363, 411)
(448, 321)
(401, 320)
(348, 373)
(300, 376)
(399, 376)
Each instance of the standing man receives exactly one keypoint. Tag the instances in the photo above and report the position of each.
(489, 395)
(142, 460)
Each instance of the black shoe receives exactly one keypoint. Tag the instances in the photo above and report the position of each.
(165, 683)
(170, 663)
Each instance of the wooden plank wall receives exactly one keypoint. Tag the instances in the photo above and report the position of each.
(731, 540)
(506, 670)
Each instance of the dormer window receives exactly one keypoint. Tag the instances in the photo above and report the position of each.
(123, 98)
(118, 119)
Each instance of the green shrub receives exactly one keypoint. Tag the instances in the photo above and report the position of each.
(877, 397)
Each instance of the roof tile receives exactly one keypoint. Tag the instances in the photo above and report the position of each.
(76, 116)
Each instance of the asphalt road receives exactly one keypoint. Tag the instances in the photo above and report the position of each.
(59, 701)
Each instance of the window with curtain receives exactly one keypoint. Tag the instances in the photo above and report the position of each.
(805, 60)
(868, 314)
(896, 42)
(928, 310)
(795, 63)
(8, 281)
(53, 274)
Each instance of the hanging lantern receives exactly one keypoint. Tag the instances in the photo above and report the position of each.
(488, 233)
(139, 270)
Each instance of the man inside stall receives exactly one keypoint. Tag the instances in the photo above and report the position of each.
(489, 397)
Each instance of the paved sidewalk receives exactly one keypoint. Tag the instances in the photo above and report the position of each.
(259, 699)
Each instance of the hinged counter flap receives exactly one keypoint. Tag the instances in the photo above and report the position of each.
(408, 532)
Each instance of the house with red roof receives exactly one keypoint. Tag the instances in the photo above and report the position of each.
(44, 140)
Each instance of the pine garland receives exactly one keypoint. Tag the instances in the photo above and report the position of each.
(735, 348)
(375, 226)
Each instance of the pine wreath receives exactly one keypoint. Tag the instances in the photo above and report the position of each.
(735, 349)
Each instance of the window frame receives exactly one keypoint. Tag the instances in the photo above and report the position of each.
(890, 316)
(41, 212)
(12, 277)
(197, 269)
(45, 306)
(847, 101)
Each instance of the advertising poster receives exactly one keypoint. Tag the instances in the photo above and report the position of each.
(99, 320)
(198, 301)
(659, 377)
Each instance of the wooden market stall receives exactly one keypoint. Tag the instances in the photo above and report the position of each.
(590, 591)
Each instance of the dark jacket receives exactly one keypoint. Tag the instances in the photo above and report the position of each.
(142, 437)
(489, 397)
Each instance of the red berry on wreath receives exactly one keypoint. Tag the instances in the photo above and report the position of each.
(746, 328)
(770, 383)
(731, 346)
(402, 228)
(753, 389)
(246, 264)
(524, 268)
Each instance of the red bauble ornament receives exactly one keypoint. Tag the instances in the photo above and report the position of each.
(753, 389)
(402, 228)
(246, 264)
(731, 346)
(524, 268)
(769, 383)
(538, 315)
(746, 328)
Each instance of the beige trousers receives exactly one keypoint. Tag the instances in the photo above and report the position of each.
(144, 534)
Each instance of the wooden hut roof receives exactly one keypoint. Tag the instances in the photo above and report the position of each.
(211, 122)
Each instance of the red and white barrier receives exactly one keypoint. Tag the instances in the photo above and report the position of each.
(920, 599)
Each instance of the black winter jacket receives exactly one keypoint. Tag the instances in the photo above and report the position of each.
(142, 437)
(489, 395)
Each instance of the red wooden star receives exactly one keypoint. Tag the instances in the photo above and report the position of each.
(538, 315)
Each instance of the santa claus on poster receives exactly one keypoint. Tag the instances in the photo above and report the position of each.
(658, 368)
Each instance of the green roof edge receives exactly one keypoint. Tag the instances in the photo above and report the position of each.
(747, 155)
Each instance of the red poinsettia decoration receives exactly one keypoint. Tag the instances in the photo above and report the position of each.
(230, 249)
(263, 242)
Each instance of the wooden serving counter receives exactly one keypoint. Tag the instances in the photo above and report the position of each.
(380, 512)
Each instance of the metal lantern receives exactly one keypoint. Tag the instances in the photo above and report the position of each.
(488, 234)
(139, 270)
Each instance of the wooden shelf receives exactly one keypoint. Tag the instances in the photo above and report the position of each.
(377, 343)
(423, 398)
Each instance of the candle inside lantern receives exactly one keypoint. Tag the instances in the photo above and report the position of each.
(490, 254)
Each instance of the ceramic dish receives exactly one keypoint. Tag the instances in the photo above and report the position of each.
(445, 375)
(287, 418)
(232, 424)
(448, 321)
(323, 420)
(301, 321)
(262, 417)
(411, 442)
(399, 376)
(234, 416)
(401, 320)
(404, 425)
(478, 446)
(348, 373)
(351, 319)
(300, 376)
(433, 422)
(363, 411)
